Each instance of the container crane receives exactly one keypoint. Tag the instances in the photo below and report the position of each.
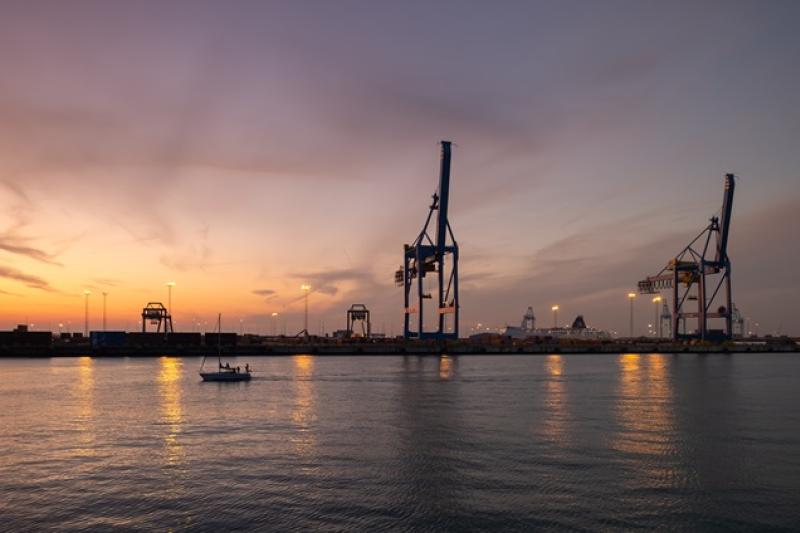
(157, 315)
(701, 272)
(438, 257)
(359, 313)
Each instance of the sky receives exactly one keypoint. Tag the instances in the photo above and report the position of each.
(241, 149)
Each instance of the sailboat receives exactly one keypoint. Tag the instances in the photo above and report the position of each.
(224, 372)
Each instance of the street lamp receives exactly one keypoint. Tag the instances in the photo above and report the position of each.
(306, 289)
(631, 297)
(656, 329)
(170, 284)
(274, 318)
(555, 316)
(86, 312)
(105, 295)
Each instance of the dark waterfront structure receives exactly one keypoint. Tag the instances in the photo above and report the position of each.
(359, 313)
(426, 256)
(157, 315)
(133, 344)
(696, 268)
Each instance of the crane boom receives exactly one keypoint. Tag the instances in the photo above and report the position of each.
(725, 220)
(444, 198)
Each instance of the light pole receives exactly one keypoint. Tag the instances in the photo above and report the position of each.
(631, 297)
(656, 329)
(105, 295)
(170, 284)
(555, 316)
(274, 318)
(306, 289)
(86, 312)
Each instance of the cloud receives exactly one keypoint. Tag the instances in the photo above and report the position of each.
(20, 212)
(10, 246)
(31, 281)
(9, 293)
(325, 281)
(17, 191)
(267, 294)
(264, 292)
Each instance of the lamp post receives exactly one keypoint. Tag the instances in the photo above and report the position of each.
(170, 284)
(555, 316)
(274, 318)
(306, 289)
(656, 329)
(631, 297)
(86, 312)
(105, 295)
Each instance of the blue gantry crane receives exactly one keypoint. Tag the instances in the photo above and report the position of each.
(437, 257)
(702, 275)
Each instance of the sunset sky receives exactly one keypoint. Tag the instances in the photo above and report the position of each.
(241, 149)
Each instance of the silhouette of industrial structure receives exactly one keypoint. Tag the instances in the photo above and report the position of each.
(157, 315)
(701, 272)
(437, 256)
(358, 313)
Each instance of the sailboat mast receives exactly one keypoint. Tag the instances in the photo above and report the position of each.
(219, 339)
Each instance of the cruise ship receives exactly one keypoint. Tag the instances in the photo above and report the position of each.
(578, 329)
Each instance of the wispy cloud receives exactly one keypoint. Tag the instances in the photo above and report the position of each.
(10, 246)
(9, 293)
(267, 294)
(31, 281)
(12, 239)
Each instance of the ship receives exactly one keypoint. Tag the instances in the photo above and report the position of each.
(578, 329)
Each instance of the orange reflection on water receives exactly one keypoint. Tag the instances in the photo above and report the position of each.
(645, 414)
(445, 368)
(554, 423)
(169, 386)
(304, 411)
(84, 393)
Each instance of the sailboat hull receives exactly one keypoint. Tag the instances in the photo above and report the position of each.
(225, 376)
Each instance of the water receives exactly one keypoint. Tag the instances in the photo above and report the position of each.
(683, 442)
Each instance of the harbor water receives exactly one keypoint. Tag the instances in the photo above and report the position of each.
(513, 443)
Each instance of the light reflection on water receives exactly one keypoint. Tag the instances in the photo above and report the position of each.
(169, 385)
(84, 394)
(554, 423)
(445, 367)
(645, 411)
(303, 412)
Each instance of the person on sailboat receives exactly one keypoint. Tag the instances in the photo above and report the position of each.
(247, 368)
